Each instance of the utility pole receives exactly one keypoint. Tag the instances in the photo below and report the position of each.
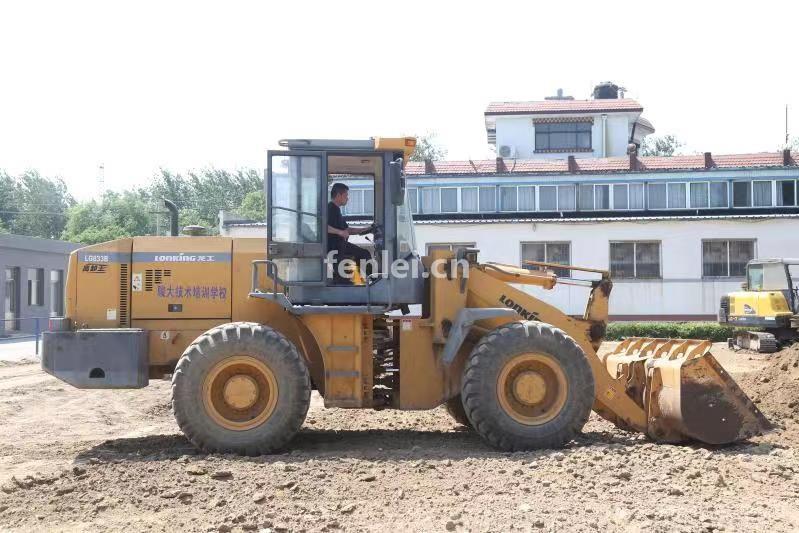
(786, 124)
(100, 181)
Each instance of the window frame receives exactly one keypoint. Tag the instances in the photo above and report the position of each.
(686, 193)
(751, 195)
(626, 196)
(689, 198)
(499, 198)
(460, 198)
(648, 203)
(535, 198)
(35, 287)
(479, 203)
(728, 241)
(546, 255)
(635, 244)
(538, 199)
(643, 195)
(726, 194)
(778, 183)
(539, 126)
(441, 199)
(772, 195)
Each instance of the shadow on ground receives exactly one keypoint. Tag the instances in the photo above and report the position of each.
(377, 444)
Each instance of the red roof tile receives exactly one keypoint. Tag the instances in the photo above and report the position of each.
(607, 164)
(563, 106)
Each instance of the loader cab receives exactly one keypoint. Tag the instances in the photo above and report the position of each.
(298, 182)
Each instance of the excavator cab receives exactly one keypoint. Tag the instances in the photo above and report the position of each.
(769, 299)
(298, 182)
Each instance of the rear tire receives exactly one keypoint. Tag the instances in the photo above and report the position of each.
(454, 407)
(240, 388)
(527, 385)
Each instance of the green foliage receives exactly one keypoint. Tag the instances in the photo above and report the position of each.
(33, 205)
(206, 192)
(663, 145)
(254, 206)
(116, 216)
(428, 149)
(674, 330)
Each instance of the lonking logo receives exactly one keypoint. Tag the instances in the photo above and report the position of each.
(181, 258)
(524, 313)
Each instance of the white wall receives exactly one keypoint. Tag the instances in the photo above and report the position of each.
(518, 131)
(681, 292)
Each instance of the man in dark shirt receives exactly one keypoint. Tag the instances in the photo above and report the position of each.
(338, 231)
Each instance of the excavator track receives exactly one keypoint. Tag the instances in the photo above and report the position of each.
(757, 341)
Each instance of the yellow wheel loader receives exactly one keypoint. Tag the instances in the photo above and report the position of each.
(247, 328)
(769, 299)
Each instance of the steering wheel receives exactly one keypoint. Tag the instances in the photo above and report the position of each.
(378, 237)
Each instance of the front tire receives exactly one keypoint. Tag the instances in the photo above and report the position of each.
(454, 407)
(527, 385)
(240, 388)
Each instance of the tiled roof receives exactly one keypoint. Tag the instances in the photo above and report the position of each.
(563, 106)
(598, 165)
(488, 219)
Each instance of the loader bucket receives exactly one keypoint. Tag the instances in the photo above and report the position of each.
(685, 392)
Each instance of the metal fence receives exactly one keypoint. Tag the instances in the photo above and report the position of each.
(13, 334)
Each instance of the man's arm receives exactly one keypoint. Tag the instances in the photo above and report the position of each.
(344, 233)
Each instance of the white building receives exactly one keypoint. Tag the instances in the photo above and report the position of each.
(561, 125)
(675, 232)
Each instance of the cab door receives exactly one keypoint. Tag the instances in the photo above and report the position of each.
(296, 219)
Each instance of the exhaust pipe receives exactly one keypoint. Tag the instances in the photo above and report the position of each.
(173, 217)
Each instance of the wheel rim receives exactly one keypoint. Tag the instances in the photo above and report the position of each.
(532, 388)
(240, 393)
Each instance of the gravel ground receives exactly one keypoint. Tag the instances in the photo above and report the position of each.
(75, 460)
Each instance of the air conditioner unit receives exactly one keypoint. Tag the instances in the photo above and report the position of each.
(506, 151)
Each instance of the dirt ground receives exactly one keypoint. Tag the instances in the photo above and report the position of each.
(74, 460)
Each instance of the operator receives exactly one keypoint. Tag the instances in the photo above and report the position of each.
(338, 231)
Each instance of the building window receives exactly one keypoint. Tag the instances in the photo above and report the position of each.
(547, 252)
(636, 196)
(548, 198)
(563, 137)
(742, 194)
(449, 246)
(725, 259)
(527, 198)
(699, 194)
(469, 199)
(56, 293)
(585, 197)
(35, 286)
(488, 199)
(761, 193)
(361, 202)
(449, 200)
(677, 196)
(620, 196)
(786, 193)
(413, 201)
(656, 196)
(11, 299)
(507, 199)
(567, 200)
(431, 200)
(635, 260)
(718, 194)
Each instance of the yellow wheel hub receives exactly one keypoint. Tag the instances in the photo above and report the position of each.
(529, 387)
(240, 393)
(532, 388)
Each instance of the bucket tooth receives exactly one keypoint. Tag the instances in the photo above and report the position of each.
(685, 391)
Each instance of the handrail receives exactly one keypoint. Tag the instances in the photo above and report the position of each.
(567, 267)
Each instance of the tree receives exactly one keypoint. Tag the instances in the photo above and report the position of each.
(206, 192)
(663, 145)
(116, 216)
(428, 149)
(253, 206)
(34, 205)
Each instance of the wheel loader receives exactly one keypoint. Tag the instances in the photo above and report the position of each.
(247, 328)
(769, 299)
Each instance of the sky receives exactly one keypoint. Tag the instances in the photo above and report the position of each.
(138, 86)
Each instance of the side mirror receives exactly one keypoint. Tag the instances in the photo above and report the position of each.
(397, 182)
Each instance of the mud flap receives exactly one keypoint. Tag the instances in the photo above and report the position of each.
(686, 392)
